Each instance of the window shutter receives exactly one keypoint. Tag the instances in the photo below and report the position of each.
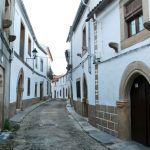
(132, 8)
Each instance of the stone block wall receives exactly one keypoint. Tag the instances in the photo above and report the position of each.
(92, 115)
(107, 119)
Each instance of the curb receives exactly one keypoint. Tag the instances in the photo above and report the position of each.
(108, 141)
(17, 119)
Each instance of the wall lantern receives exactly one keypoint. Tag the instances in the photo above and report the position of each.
(34, 52)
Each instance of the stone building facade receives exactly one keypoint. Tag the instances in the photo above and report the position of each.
(5, 59)
(110, 66)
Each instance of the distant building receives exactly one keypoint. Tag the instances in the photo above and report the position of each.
(60, 87)
(30, 77)
(111, 66)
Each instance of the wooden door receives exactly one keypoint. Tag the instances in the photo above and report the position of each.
(41, 91)
(19, 92)
(140, 111)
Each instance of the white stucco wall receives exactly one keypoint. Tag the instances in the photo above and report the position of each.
(17, 65)
(114, 70)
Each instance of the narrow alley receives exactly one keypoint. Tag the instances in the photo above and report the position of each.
(51, 127)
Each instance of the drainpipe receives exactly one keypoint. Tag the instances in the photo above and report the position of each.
(89, 39)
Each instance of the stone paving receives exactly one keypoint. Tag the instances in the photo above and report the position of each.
(51, 127)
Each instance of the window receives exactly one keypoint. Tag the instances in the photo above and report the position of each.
(47, 88)
(60, 92)
(41, 65)
(29, 46)
(28, 87)
(66, 93)
(35, 90)
(84, 44)
(134, 17)
(78, 89)
(22, 40)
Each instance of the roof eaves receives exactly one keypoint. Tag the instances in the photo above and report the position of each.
(98, 8)
(79, 15)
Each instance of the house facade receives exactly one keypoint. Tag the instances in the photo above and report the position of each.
(30, 68)
(111, 67)
(61, 87)
(5, 59)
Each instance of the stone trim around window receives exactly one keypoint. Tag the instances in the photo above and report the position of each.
(141, 36)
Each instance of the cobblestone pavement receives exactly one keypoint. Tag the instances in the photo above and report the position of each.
(51, 127)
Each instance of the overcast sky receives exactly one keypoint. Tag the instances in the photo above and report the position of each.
(51, 20)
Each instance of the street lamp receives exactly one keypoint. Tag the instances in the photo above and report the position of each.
(34, 52)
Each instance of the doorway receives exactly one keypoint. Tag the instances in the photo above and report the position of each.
(85, 101)
(140, 110)
(1, 95)
(19, 90)
(41, 91)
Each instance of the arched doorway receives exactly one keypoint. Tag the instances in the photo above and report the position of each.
(133, 107)
(19, 90)
(140, 110)
(85, 100)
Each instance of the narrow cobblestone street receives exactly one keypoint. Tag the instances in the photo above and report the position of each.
(51, 127)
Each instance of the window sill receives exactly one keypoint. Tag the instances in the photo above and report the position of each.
(139, 37)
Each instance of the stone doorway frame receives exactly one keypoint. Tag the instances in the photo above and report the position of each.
(123, 105)
(19, 89)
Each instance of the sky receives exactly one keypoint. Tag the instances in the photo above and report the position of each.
(51, 21)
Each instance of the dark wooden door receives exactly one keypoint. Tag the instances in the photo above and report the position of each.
(140, 111)
(41, 91)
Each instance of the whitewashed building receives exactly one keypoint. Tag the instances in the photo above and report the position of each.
(30, 73)
(61, 87)
(111, 66)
